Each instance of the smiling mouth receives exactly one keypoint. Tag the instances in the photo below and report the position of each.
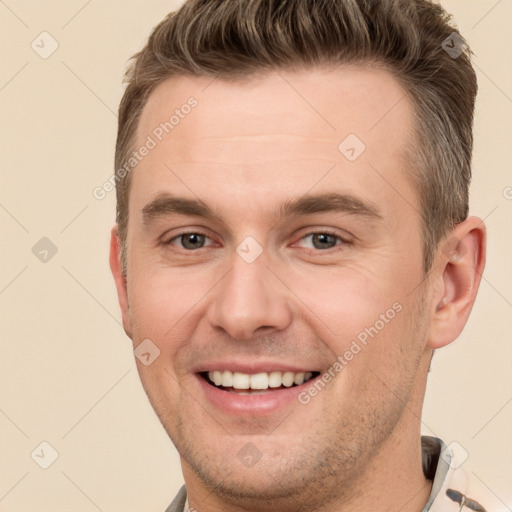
(257, 383)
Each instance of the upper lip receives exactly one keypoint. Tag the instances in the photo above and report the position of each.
(252, 367)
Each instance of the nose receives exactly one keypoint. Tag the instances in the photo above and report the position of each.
(249, 301)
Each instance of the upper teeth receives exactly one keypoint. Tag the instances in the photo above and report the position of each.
(262, 380)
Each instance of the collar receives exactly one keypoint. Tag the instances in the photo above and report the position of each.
(449, 481)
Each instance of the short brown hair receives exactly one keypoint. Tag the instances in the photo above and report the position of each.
(235, 39)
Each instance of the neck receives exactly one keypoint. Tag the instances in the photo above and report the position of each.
(394, 479)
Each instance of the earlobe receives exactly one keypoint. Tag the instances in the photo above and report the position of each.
(461, 261)
(120, 279)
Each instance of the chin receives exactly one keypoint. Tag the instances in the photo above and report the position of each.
(251, 484)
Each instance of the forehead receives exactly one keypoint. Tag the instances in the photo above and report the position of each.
(313, 103)
(276, 133)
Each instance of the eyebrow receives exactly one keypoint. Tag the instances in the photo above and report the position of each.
(166, 204)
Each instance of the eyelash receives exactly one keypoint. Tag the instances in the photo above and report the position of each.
(328, 232)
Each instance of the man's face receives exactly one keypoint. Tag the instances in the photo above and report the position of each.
(274, 282)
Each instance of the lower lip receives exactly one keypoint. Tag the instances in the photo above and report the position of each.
(253, 404)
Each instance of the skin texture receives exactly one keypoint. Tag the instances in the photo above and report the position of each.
(244, 149)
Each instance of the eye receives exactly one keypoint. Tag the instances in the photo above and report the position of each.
(189, 241)
(323, 240)
(320, 240)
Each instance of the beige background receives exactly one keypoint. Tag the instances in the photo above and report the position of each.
(68, 374)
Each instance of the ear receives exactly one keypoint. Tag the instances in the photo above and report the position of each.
(120, 279)
(460, 263)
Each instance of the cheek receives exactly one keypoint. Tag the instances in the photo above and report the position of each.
(379, 368)
(366, 322)
(346, 302)
(163, 302)
(340, 303)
